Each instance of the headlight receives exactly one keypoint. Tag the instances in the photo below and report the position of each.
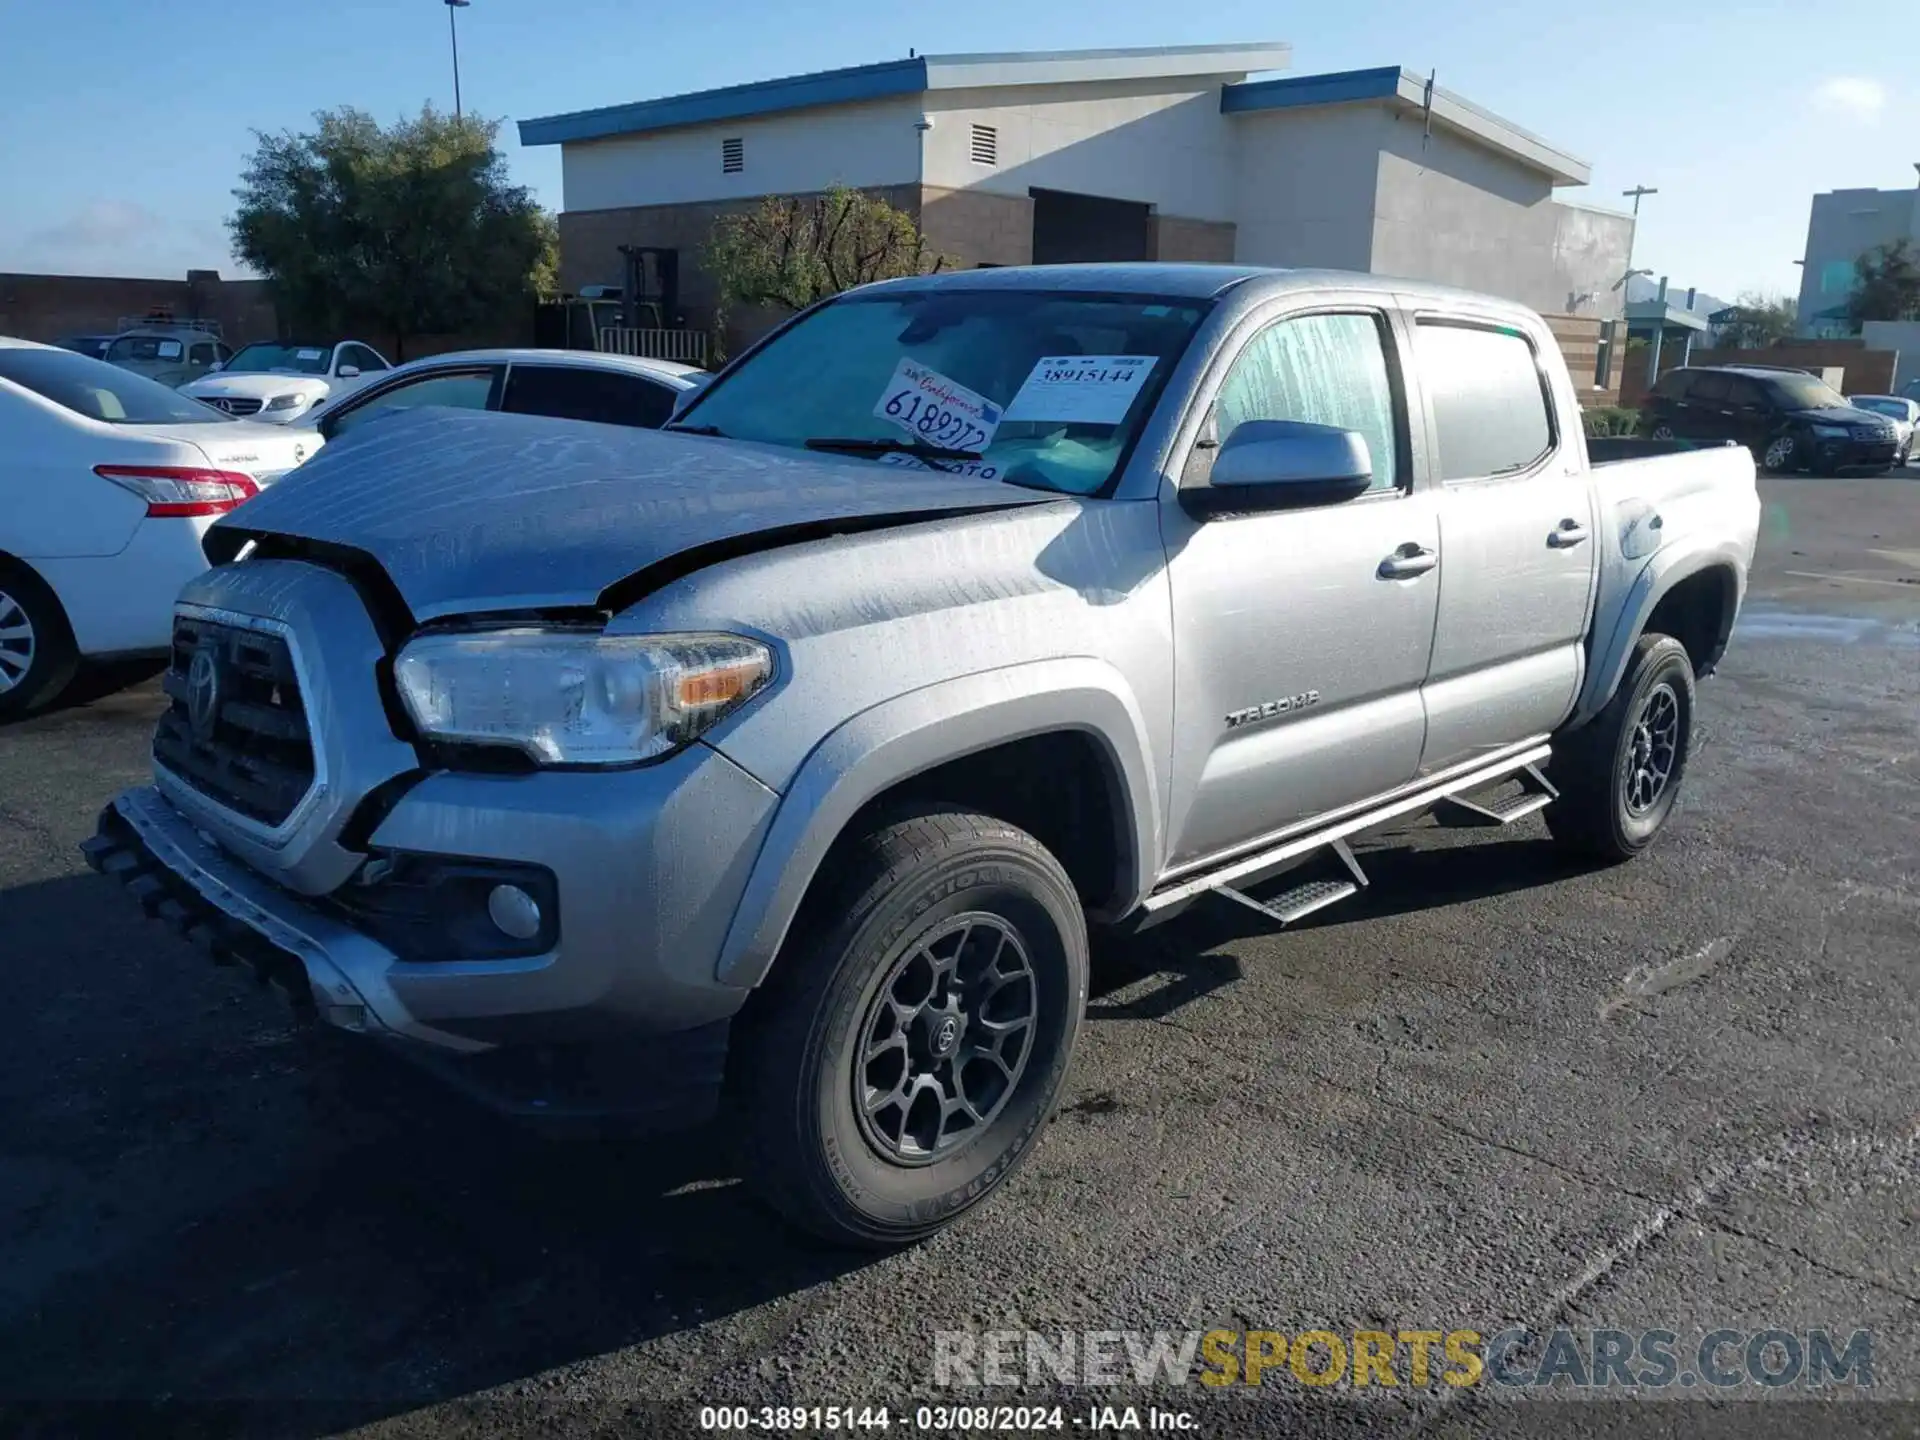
(286, 402)
(1830, 432)
(576, 697)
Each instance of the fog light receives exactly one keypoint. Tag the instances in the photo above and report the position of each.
(515, 911)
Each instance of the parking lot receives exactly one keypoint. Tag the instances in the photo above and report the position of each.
(1494, 1090)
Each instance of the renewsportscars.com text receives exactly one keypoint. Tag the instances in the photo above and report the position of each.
(1562, 1358)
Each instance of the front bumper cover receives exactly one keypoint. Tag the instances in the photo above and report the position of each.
(332, 972)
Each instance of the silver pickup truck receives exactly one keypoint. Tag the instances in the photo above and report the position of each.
(781, 760)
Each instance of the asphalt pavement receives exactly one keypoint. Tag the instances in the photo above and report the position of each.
(1497, 1090)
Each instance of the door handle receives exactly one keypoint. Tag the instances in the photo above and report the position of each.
(1570, 534)
(1406, 562)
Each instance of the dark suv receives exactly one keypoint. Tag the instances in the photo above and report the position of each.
(1788, 418)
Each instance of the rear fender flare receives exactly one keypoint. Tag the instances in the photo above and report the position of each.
(905, 736)
(1614, 642)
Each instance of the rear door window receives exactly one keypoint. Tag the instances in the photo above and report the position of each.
(1489, 398)
(604, 396)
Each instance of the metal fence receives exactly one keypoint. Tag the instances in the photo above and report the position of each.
(687, 346)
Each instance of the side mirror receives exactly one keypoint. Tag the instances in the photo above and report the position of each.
(216, 365)
(1279, 464)
(348, 372)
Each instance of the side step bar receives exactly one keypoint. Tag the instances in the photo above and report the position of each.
(1536, 794)
(1316, 894)
(1302, 900)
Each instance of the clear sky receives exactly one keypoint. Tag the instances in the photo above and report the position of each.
(125, 122)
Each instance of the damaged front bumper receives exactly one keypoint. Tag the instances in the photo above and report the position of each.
(332, 972)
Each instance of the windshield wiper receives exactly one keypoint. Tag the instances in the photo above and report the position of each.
(857, 445)
(713, 430)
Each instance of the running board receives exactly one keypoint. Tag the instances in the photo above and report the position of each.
(1536, 794)
(1250, 868)
(1302, 900)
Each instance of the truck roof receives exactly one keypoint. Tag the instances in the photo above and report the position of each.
(1183, 281)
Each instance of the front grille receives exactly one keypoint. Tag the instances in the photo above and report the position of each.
(1873, 434)
(249, 747)
(234, 404)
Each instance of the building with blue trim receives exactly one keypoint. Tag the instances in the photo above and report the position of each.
(1171, 153)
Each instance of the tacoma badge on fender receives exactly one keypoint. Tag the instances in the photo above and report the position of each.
(1285, 705)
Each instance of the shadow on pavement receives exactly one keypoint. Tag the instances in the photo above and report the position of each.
(96, 682)
(209, 1203)
(213, 1204)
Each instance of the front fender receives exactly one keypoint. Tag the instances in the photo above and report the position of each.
(905, 736)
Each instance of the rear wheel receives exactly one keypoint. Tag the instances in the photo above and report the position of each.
(1662, 432)
(916, 1032)
(37, 654)
(1619, 774)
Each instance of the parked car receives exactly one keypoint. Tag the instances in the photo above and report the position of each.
(282, 384)
(93, 345)
(108, 480)
(171, 354)
(789, 753)
(566, 384)
(1789, 419)
(1904, 413)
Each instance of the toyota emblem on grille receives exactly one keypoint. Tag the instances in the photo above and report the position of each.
(203, 692)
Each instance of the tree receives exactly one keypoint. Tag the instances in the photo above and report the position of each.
(789, 252)
(1758, 320)
(413, 228)
(1886, 284)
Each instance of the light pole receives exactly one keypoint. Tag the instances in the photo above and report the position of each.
(453, 34)
(1635, 194)
(1626, 280)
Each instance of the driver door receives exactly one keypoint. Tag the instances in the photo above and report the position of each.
(1299, 650)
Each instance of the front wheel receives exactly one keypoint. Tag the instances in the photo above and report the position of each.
(917, 1029)
(1780, 454)
(1620, 773)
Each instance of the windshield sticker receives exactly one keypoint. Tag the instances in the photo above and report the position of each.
(930, 407)
(1083, 389)
(980, 468)
(309, 354)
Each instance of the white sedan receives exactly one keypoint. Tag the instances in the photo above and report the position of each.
(283, 384)
(1904, 413)
(565, 384)
(107, 482)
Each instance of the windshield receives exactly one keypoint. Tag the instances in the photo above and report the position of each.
(1037, 388)
(1803, 392)
(1880, 405)
(293, 359)
(100, 391)
(144, 350)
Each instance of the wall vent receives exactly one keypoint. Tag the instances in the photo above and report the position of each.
(985, 146)
(733, 156)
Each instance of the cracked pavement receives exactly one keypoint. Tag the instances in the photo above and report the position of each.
(1494, 1090)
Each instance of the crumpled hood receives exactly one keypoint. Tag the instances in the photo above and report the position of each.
(471, 512)
(253, 385)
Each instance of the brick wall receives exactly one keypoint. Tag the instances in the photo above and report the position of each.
(1174, 237)
(590, 242)
(49, 307)
(968, 227)
(977, 227)
(1579, 340)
